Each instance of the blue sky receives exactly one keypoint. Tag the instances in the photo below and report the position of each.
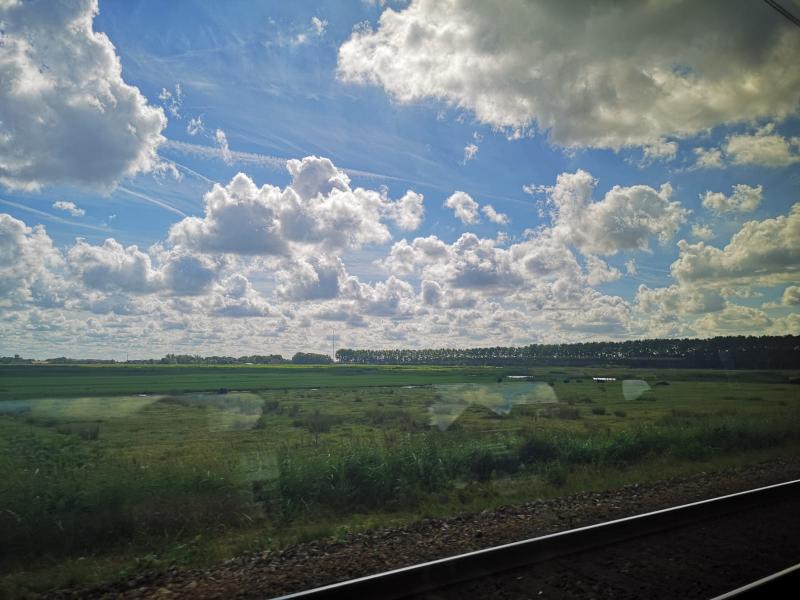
(278, 82)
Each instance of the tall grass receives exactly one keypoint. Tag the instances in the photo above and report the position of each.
(60, 496)
(366, 475)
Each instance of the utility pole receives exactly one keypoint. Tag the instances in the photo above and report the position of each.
(333, 345)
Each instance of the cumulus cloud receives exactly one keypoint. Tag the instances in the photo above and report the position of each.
(66, 115)
(236, 297)
(599, 271)
(763, 252)
(112, 267)
(312, 278)
(702, 232)
(69, 207)
(317, 210)
(734, 319)
(626, 217)
(464, 207)
(743, 198)
(659, 151)
(708, 158)
(431, 293)
(187, 274)
(681, 68)
(494, 216)
(764, 147)
(405, 258)
(791, 296)
(29, 265)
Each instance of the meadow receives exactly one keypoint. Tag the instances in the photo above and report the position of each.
(107, 470)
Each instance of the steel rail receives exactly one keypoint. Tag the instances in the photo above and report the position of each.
(435, 574)
(771, 586)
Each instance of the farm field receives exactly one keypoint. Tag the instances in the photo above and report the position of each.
(107, 470)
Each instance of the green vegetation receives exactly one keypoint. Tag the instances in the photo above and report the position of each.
(38, 381)
(128, 482)
(728, 352)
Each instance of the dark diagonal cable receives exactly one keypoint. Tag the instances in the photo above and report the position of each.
(783, 11)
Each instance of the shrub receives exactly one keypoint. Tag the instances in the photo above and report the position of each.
(620, 413)
(598, 410)
(537, 450)
(272, 406)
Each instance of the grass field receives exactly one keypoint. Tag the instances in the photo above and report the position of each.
(107, 470)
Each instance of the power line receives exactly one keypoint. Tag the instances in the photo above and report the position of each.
(783, 11)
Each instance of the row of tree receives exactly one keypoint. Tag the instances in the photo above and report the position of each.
(300, 358)
(732, 352)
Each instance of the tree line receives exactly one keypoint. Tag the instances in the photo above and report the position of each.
(729, 352)
(300, 358)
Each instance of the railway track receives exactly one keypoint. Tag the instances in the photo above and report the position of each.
(530, 567)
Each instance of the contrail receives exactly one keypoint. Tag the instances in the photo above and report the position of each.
(152, 200)
(55, 218)
(254, 158)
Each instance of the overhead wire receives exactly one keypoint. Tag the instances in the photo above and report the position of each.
(783, 11)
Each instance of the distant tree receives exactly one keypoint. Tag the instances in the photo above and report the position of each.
(311, 358)
(734, 352)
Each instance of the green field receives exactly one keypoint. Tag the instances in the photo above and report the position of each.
(106, 470)
(36, 381)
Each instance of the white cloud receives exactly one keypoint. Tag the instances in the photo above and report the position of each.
(405, 258)
(66, 115)
(791, 296)
(494, 216)
(69, 207)
(317, 211)
(764, 147)
(195, 126)
(312, 278)
(734, 319)
(187, 274)
(702, 232)
(762, 252)
(659, 151)
(626, 217)
(222, 144)
(431, 293)
(464, 207)
(708, 158)
(681, 68)
(599, 271)
(172, 101)
(470, 152)
(407, 212)
(28, 265)
(744, 198)
(113, 266)
(236, 297)
(630, 267)
(318, 26)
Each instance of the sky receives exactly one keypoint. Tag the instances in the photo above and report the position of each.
(193, 177)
